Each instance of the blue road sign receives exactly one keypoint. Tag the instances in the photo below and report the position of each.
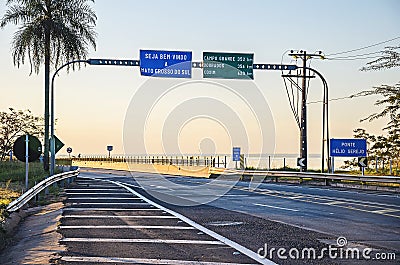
(177, 64)
(348, 147)
(236, 154)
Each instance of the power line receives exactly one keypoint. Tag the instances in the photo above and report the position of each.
(356, 55)
(335, 99)
(352, 59)
(365, 47)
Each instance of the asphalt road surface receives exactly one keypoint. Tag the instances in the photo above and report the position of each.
(104, 222)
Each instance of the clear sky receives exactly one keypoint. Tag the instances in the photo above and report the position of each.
(92, 103)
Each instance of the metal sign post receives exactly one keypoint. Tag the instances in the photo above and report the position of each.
(236, 155)
(362, 163)
(26, 162)
(109, 149)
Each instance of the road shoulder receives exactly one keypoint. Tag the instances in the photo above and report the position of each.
(36, 239)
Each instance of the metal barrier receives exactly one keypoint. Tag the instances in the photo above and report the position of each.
(317, 176)
(32, 192)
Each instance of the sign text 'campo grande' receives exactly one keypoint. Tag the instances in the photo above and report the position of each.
(228, 65)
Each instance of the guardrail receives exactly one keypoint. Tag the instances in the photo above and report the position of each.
(32, 192)
(303, 175)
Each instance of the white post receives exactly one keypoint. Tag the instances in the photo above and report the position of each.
(391, 166)
(333, 164)
(26, 162)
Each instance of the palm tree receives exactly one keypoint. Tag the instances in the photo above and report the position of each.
(51, 32)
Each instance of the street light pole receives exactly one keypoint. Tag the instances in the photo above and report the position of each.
(325, 119)
(52, 138)
(113, 62)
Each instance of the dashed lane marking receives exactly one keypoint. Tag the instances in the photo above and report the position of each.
(308, 198)
(333, 203)
(275, 207)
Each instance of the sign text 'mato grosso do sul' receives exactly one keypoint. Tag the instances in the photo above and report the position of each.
(348, 147)
(176, 64)
(228, 65)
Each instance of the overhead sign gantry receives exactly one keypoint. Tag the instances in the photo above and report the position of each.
(179, 64)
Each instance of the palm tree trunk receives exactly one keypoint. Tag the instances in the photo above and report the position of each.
(46, 99)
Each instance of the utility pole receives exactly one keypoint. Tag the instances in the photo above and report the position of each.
(303, 124)
(303, 118)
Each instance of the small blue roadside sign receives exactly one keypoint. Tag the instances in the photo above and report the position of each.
(348, 147)
(236, 154)
(176, 64)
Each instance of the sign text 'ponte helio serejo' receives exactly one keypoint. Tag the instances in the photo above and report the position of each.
(348, 147)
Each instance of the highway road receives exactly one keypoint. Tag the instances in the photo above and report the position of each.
(253, 218)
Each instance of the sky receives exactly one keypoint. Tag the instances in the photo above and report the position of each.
(98, 106)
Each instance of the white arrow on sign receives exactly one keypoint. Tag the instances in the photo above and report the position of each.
(362, 161)
(301, 162)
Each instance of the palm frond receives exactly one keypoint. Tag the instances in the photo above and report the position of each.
(70, 23)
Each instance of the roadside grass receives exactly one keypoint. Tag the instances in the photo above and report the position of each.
(15, 171)
(7, 195)
(12, 181)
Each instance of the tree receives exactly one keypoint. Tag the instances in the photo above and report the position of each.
(390, 101)
(51, 32)
(390, 58)
(14, 124)
(386, 146)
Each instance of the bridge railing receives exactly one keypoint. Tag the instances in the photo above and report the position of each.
(212, 161)
(32, 192)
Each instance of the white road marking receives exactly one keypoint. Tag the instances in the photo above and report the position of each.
(110, 209)
(275, 207)
(140, 240)
(141, 261)
(116, 189)
(109, 203)
(333, 203)
(102, 193)
(235, 195)
(125, 227)
(249, 253)
(97, 186)
(385, 211)
(122, 216)
(104, 198)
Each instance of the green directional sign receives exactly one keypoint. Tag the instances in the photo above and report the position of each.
(228, 65)
(58, 144)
